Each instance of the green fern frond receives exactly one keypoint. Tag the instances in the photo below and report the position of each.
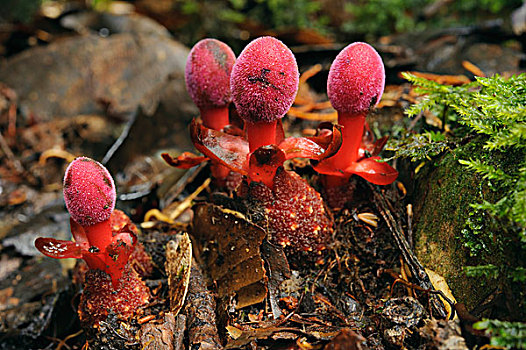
(507, 334)
(487, 171)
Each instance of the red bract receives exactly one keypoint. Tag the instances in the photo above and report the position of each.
(90, 195)
(355, 85)
(233, 151)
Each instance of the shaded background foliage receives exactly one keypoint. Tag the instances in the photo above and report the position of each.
(337, 19)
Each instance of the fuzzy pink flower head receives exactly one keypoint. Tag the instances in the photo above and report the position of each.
(89, 191)
(356, 79)
(264, 80)
(207, 73)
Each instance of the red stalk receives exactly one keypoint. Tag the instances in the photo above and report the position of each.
(219, 172)
(332, 181)
(215, 118)
(352, 133)
(261, 134)
(99, 234)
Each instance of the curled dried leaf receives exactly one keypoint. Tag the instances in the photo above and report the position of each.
(369, 218)
(178, 265)
(186, 160)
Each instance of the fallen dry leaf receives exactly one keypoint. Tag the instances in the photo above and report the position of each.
(232, 253)
(440, 284)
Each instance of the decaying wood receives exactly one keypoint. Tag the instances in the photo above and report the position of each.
(200, 313)
(166, 336)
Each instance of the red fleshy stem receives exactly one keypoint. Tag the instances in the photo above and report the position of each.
(352, 132)
(333, 181)
(219, 173)
(215, 118)
(261, 134)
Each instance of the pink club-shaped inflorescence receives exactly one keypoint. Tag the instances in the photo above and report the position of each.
(264, 80)
(356, 79)
(355, 85)
(207, 73)
(207, 76)
(89, 193)
(264, 83)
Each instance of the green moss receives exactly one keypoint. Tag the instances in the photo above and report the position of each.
(470, 202)
(443, 194)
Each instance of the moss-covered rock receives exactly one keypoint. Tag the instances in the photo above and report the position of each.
(450, 234)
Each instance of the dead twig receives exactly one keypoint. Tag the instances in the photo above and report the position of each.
(181, 184)
(172, 216)
(410, 225)
(410, 258)
(10, 155)
(200, 313)
(63, 341)
(120, 140)
(413, 286)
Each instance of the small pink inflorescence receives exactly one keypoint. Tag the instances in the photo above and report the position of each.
(89, 191)
(264, 83)
(356, 79)
(207, 73)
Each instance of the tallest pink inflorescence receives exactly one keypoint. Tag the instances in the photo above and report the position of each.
(89, 191)
(264, 80)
